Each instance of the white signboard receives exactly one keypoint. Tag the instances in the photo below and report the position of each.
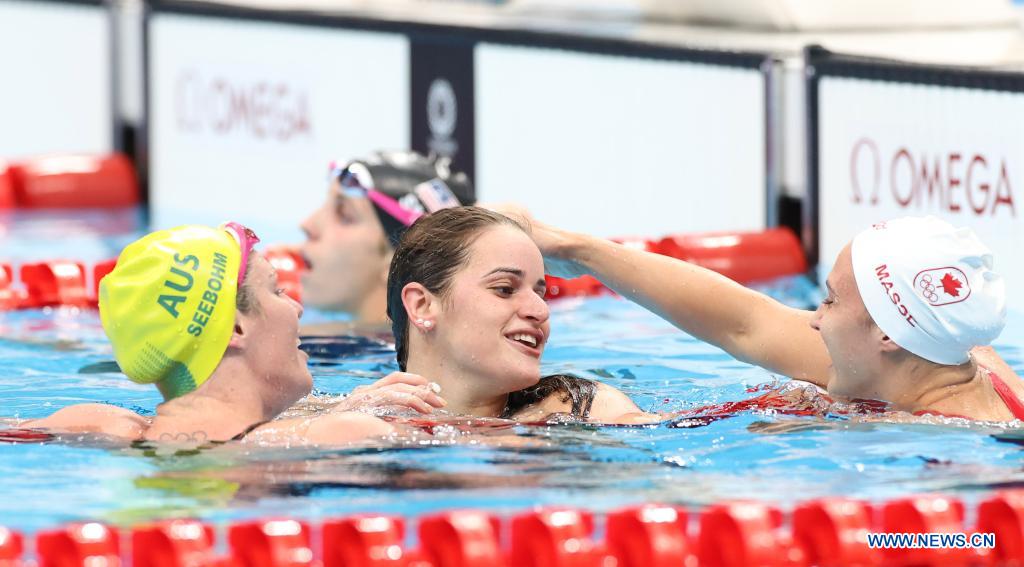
(245, 116)
(56, 93)
(621, 145)
(888, 150)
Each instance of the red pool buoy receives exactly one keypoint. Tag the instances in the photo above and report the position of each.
(1002, 514)
(833, 532)
(924, 514)
(56, 282)
(741, 256)
(99, 271)
(8, 186)
(649, 536)
(736, 534)
(288, 263)
(367, 540)
(76, 545)
(553, 538)
(76, 181)
(461, 538)
(176, 543)
(12, 545)
(271, 543)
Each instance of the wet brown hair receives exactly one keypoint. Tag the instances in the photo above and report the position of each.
(430, 253)
(245, 297)
(577, 392)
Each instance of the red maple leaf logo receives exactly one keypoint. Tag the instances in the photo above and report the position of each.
(951, 285)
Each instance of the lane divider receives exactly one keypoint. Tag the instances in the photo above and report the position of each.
(68, 181)
(829, 531)
(744, 257)
(56, 283)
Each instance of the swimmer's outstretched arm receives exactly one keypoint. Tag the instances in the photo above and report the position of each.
(748, 325)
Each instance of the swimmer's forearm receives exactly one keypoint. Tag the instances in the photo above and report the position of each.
(748, 325)
(703, 303)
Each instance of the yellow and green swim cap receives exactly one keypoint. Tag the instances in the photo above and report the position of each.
(168, 307)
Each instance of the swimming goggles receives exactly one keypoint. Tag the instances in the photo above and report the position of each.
(355, 181)
(246, 239)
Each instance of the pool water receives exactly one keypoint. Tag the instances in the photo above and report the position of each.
(53, 358)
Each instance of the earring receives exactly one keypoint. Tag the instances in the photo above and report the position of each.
(428, 324)
(419, 321)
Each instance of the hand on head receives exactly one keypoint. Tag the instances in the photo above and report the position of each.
(554, 243)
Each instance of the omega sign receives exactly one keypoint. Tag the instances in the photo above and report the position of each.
(956, 182)
(262, 109)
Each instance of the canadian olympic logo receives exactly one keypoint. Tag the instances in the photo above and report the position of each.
(942, 286)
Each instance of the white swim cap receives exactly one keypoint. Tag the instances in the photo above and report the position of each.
(930, 287)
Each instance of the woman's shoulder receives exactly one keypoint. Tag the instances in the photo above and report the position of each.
(611, 404)
(103, 419)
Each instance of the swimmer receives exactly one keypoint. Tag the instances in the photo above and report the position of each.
(466, 300)
(912, 305)
(350, 238)
(197, 312)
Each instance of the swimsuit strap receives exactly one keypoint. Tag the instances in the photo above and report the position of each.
(248, 430)
(1011, 400)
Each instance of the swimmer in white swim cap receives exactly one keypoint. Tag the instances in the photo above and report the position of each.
(912, 306)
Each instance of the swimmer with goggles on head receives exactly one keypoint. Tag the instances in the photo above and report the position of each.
(351, 237)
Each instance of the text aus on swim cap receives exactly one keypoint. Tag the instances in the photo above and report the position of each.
(170, 301)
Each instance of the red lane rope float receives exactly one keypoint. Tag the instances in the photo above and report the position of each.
(274, 543)
(366, 540)
(745, 257)
(1003, 516)
(9, 297)
(79, 545)
(833, 531)
(649, 536)
(100, 270)
(925, 514)
(69, 181)
(553, 538)
(8, 192)
(741, 256)
(461, 538)
(12, 545)
(57, 282)
(741, 533)
(289, 265)
(826, 532)
(173, 543)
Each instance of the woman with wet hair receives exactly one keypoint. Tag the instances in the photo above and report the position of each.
(466, 303)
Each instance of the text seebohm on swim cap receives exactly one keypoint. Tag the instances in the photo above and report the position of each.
(930, 287)
(168, 307)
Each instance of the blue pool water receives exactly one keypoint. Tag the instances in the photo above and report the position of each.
(781, 459)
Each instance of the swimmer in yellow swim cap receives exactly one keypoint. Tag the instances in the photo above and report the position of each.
(197, 312)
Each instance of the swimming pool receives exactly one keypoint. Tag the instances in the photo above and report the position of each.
(596, 468)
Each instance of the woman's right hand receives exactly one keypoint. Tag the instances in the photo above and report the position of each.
(554, 243)
(398, 389)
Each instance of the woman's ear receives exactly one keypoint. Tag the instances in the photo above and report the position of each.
(239, 335)
(885, 343)
(420, 304)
